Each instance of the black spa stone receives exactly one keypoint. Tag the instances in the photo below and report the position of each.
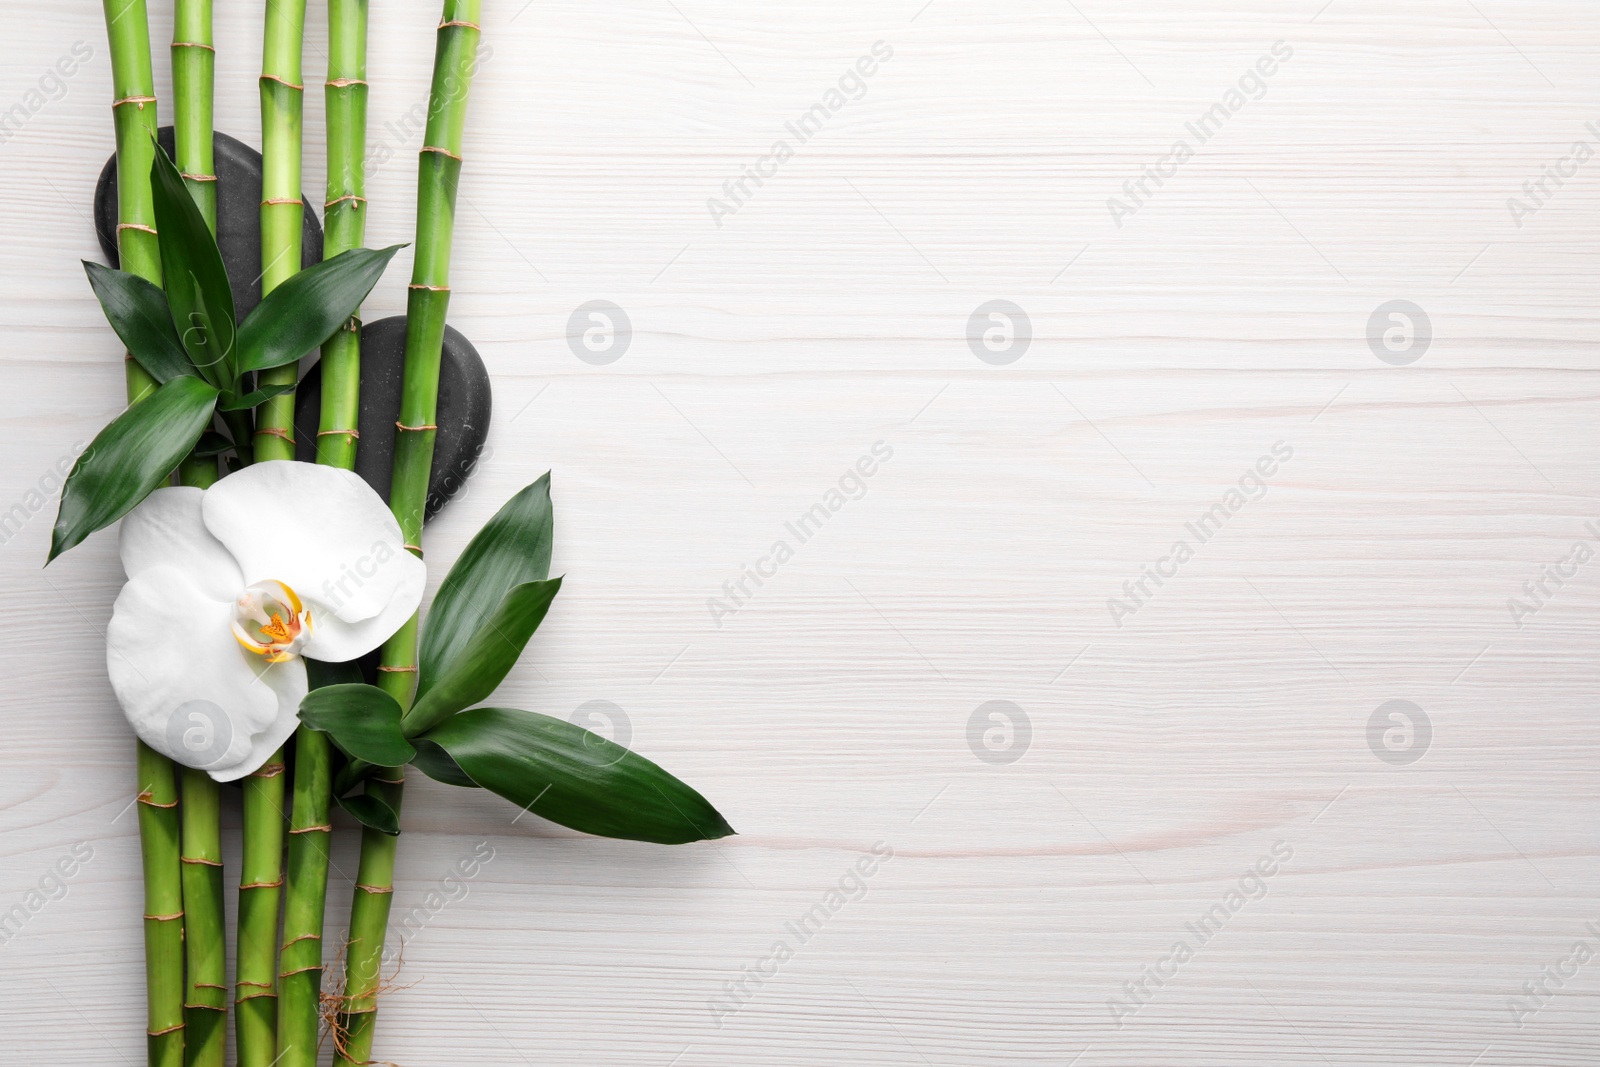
(238, 168)
(463, 418)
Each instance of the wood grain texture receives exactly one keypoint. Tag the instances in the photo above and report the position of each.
(831, 711)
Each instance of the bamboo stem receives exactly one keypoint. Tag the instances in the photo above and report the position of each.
(205, 1007)
(134, 113)
(344, 220)
(428, 299)
(300, 965)
(300, 977)
(193, 75)
(205, 998)
(163, 906)
(260, 888)
(282, 211)
(261, 874)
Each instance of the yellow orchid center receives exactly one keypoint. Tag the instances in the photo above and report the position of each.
(270, 621)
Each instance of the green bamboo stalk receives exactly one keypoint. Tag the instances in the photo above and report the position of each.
(260, 888)
(344, 220)
(300, 966)
(344, 224)
(205, 999)
(428, 300)
(205, 1007)
(134, 113)
(193, 75)
(261, 876)
(163, 907)
(282, 210)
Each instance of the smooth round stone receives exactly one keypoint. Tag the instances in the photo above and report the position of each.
(463, 416)
(238, 168)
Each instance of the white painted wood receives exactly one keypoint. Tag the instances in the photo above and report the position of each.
(831, 711)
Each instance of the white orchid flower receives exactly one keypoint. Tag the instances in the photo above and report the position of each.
(228, 587)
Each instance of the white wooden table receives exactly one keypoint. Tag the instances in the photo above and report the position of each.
(1042, 877)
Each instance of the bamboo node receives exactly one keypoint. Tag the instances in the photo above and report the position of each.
(258, 985)
(302, 937)
(135, 226)
(399, 670)
(326, 433)
(461, 22)
(192, 44)
(166, 918)
(324, 828)
(273, 431)
(302, 970)
(207, 985)
(197, 859)
(140, 100)
(359, 200)
(149, 801)
(441, 151)
(256, 996)
(208, 1007)
(269, 770)
(282, 200)
(430, 288)
(341, 83)
(171, 1029)
(375, 889)
(198, 177)
(423, 426)
(415, 548)
(282, 81)
(261, 885)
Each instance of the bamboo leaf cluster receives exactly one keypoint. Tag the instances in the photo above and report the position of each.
(199, 359)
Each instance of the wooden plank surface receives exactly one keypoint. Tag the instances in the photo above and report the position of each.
(1222, 727)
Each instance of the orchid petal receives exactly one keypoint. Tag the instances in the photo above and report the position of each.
(335, 641)
(288, 680)
(166, 530)
(320, 530)
(187, 687)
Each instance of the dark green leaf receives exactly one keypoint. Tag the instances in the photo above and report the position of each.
(568, 775)
(308, 308)
(131, 456)
(137, 310)
(363, 721)
(486, 658)
(436, 763)
(370, 811)
(250, 400)
(197, 287)
(211, 444)
(512, 548)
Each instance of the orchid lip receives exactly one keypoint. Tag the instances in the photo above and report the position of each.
(271, 621)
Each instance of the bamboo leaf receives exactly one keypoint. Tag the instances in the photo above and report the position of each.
(211, 444)
(137, 310)
(512, 548)
(570, 776)
(370, 811)
(196, 282)
(363, 721)
(489, 654)
(250, 400)
(133, 455)
(307, 309)
(436, 763)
